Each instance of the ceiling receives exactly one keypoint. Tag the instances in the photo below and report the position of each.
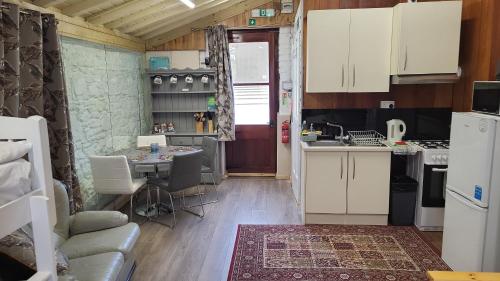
(144, 19)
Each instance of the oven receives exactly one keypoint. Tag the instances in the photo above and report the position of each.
(434, 185)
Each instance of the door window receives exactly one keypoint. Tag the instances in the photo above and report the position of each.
(250, 72)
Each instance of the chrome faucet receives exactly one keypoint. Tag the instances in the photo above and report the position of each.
(341, 131)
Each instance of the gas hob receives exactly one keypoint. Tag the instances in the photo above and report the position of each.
(433, 144)
(434, 152)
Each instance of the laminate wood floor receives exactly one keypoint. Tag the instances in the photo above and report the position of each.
(201, 249)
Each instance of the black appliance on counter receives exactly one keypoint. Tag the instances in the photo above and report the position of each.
(486, 97)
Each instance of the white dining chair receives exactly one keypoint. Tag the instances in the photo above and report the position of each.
(146, 141)
(112, 176)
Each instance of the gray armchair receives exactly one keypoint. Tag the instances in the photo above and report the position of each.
(98, 244)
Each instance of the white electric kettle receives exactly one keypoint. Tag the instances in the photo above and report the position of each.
(396, 130)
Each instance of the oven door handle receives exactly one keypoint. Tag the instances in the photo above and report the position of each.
(437, 170)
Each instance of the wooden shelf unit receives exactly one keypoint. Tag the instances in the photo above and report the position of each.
(177, 102)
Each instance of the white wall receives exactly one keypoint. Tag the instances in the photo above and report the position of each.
(180, 59)
(108, 104)
(283, 153)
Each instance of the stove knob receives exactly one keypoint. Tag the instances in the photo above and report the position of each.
(433, 157)
(438, 158)
(445, 158)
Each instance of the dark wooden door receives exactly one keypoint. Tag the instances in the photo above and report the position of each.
(254, 62)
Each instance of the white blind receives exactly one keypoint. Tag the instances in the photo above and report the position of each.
(251, 104)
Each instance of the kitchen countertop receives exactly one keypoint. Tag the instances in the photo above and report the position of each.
(306, 147)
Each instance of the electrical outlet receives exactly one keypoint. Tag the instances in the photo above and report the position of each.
(388, 104)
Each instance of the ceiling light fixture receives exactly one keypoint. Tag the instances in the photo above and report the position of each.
(188, 3)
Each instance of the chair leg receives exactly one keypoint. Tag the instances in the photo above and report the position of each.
(173, 210)
(201, 201)
(131, 207)
(158, 201)
(216, 189)
(201, 204)
(148, 201)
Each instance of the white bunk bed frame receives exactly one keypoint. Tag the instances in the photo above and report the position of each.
(37, 206)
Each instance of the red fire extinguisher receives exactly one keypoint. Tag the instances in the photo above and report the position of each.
(285, 132)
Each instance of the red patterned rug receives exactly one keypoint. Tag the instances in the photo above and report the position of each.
(331, 252)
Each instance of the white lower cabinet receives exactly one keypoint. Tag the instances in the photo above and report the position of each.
(326, 182)
(369, 183)
(346, 187)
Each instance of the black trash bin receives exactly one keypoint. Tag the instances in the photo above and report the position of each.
(402, 200)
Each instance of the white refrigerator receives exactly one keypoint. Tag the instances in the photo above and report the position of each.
(471, 234)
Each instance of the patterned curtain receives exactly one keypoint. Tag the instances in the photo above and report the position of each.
(218, 47)
(33, 84)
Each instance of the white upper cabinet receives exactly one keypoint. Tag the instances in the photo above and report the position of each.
(370, 50)
(426, 37)
(327, 51)
(348, 50)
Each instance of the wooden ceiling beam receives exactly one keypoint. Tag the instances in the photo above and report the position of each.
(160, 19)
(128, 9)
(48, 3)
(204, 22)
(174, 22)
(79, 29)
(82, 7)
(161, 10)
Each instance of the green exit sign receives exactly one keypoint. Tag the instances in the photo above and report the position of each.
(262, 12)
(252, 22)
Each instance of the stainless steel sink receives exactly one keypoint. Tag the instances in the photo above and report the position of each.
(327, 143)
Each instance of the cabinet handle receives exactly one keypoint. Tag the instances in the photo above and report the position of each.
(354, 168)
(406, 57)
(341, 167)
(342, 76)
(354, 75)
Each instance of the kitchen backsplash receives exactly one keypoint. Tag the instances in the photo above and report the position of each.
(421, 123)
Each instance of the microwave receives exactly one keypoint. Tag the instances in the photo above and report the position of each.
(486, 97)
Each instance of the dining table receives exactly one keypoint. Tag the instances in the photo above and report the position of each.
(144, 156)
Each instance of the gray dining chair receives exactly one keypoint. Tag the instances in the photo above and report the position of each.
(185, 173)
(209, 147)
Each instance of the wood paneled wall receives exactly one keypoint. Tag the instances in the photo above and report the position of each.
(479, 54)
(479, 51)
(196, 39)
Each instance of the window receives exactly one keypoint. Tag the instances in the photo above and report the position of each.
(250, 71)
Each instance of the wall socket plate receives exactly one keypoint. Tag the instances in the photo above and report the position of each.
(388, 104)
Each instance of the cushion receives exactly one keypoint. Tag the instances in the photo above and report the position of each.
(89, 221)
(15, 180)
(10, 151)
(118, 239)
(100, 267)
(62, 210)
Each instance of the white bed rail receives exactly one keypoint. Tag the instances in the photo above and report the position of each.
(37, 206)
